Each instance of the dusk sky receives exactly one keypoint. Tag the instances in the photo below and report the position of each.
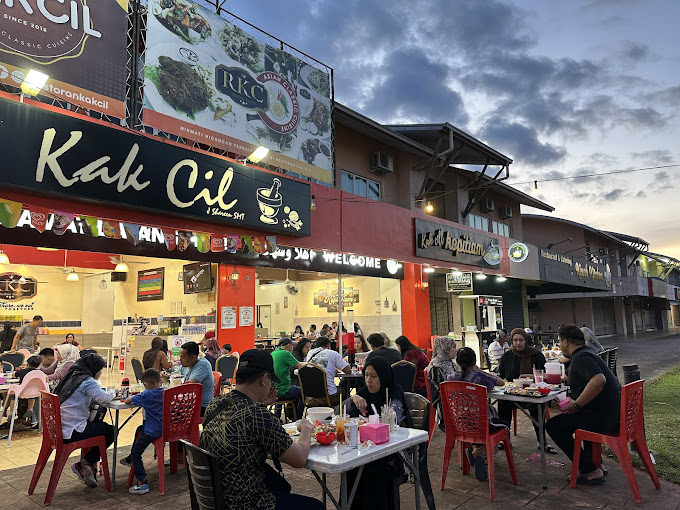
(564, 88)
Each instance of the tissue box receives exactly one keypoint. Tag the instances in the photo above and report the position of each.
(377, 432)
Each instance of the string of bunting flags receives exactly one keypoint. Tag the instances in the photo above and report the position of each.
(17, 214)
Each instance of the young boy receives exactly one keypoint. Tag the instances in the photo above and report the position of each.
(25, 405)
(151, 399)
(46, 357)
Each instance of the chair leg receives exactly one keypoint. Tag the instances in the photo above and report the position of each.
(59, 462)
(448, 448)
(597, 454)
(11, 425)
(105, 464)
(514, 421)
(491, 467)
(43, 456)
(131, 477)
(159, 445)
(640, 444)
(465, 464)
(575, 460)
(173, 457)
(511, 461)
(621, 451)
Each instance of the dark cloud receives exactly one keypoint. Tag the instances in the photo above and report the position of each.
(641, 194)
(635, 51)
(600, 158)
(521, 142)
(669, 96)
(653, 157)
(661, 182)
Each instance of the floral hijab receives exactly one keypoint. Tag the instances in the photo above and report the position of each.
(440, 356)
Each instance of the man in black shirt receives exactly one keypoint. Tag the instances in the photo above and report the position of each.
(377, 343)
(594, 404)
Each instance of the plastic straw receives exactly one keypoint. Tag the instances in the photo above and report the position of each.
(535, 374)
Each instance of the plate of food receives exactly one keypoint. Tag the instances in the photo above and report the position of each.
(524, 392)
(315, 117)
(316, 79)
(315, 152)
(183, 19)
(242, 47)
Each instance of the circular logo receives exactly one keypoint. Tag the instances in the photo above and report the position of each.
(392, 266)
(283, 114)
(3, 72)
(518, 252)
(18, 77)
(189, 55)
(493, 255)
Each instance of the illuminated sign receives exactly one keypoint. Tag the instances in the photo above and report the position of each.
(518, 252)
(14, 287)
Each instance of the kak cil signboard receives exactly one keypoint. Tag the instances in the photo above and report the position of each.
(80, 45)
(74, 158)
(209, 80)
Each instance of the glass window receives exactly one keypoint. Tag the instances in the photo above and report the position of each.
(360, 186)
(478, 222)
(502, 229)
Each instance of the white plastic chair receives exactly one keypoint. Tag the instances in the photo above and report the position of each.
(34, 382)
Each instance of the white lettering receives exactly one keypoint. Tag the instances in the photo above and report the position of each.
(54, 19)
(204, 194)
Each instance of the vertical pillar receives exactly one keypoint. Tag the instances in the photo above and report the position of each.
(242, 293)
(620, 316)
(415, 306)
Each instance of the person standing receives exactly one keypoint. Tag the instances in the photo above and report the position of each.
(197, 370)
(27, 336)
(284, 361)
(594, 404)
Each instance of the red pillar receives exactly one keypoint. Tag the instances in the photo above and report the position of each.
(415, 306)
(242, 294)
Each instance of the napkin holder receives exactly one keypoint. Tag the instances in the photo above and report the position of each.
(378, 433)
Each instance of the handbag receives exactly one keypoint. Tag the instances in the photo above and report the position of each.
(97, 413)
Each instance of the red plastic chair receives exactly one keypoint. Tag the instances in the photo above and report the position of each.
(181, 411)
(432, 423)
(466, 414)
(217, 376)
(53, 439)
(631, 431)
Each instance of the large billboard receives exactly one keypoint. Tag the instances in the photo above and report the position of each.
(80, 45)
(208, 80)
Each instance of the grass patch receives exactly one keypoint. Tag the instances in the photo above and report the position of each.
(662, 421)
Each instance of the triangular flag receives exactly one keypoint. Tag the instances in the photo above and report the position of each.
(246, 244)
(131, 233)
(170, 239)
(10, 212)
(270, 244)
(110, 229)
(61, 221)
(89, 225)
(39, 217)
(258, 246)
(202, 242)
(233, 243)
(217, 243)
(183, 239)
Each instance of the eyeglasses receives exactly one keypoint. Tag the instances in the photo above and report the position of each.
(271, 380)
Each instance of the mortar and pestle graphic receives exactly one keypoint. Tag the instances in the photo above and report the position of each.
(269, 200)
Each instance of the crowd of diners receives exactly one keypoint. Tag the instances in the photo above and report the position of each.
(242, 432)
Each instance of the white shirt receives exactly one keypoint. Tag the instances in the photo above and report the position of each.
(331, 361)
(496, 351)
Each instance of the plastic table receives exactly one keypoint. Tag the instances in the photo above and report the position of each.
(339, 459)
(500, 394)
(117, 405)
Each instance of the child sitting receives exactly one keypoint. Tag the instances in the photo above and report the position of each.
(151, 400)
(25, 410)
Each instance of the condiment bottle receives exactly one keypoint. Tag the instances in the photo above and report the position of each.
(125, 389)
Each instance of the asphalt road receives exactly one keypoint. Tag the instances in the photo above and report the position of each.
(653, 356)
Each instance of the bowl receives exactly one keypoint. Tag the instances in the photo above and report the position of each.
(325, 437)
(543, 391)
(319, 413)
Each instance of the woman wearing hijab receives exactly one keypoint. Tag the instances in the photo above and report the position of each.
(212, 351)
(156, 357)
(65, 356)
(591, 340)
(439, 370)
(76, 391)
(379, 483)
(415, 355)
(6, 337)
(520, 360)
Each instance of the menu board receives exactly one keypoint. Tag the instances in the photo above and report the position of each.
(211, 81)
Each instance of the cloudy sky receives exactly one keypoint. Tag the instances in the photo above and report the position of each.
(564, 88)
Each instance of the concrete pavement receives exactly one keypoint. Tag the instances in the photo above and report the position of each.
(654, 352)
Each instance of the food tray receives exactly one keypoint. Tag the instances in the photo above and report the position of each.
(526, 392)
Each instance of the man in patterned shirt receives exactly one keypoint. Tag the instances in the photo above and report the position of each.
(240, 431)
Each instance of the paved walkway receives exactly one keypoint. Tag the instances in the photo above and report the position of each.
(653, 352)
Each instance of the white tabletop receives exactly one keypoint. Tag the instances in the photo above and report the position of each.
(337, 458)
(117, 404)
(500, 394)
(109, 348)
(358, 375)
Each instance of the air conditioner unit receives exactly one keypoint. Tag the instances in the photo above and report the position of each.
(487, 205)
(604, 251)
(381, 163)
(505, 211)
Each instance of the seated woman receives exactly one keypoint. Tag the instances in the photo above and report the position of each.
(520, 360)
(470, 372)
(212, 351)
(379, 484)
(298, 333)
(157, 356)
(66, 356)
(76, 391)
(299, 353)
(415, 355)
(591, 340)
(71, 339)
(439, 369)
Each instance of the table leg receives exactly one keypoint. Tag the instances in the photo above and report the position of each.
(541, 442)
(414, 450)
(115, 449)
(343, 491)
(323, 492)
